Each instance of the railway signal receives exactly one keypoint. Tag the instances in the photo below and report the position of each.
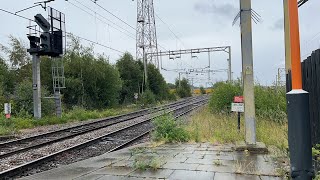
(49, 43)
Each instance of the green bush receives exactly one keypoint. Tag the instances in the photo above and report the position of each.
(222, 97)
(202, 90)
(172, 97)
(183, 88)
(270, 103)
(147, 98)
(168, 130)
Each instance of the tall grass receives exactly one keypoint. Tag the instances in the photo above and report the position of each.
(13, 125)
(270, 103)
(206, 126)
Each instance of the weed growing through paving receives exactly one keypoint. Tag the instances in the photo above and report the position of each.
(145, 160)
(167, 129)
(217, 162)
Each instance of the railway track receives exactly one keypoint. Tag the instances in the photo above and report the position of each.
(112, 141)
(25, 144)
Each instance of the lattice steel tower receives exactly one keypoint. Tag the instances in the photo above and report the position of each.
(146, 32)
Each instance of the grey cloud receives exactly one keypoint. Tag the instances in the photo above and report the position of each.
(224, 10)
(278, 25)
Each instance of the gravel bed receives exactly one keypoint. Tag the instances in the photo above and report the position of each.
(18, 159)
(94, 150)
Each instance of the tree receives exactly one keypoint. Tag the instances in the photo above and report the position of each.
(171, 86)
(17, 52)
(184, 89)
(157, 84)
(202, 90)
(131, 75)
(91, 81)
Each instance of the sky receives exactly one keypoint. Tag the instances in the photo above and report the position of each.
(197, 23)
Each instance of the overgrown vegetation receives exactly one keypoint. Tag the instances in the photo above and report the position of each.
(202, 90)
(167, 129)
(222, 97)
(147, 98)
(219, 124)
(92, 83)
(206, 126)
(270, 102)
(183, 88)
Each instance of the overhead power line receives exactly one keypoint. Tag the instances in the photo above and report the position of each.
(95, 2)
(127, 33)
(174, 34)
(85, 39)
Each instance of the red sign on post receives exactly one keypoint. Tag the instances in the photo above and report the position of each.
(238, 99)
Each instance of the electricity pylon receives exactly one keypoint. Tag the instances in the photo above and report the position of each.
(146, 34)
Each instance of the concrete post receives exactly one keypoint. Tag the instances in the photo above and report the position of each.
(247, 69)
(36, 86)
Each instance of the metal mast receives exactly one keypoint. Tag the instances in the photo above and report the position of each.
(146, 34)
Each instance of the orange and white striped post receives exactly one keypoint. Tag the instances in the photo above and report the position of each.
(299, 135)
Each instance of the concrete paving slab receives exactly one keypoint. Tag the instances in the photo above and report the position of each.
(182, 166)
(119, 171)
(254, 163)
(230, 176)
(191, 175)
(97, 162)
(199, 161)
(182, 161)
(177, 160)
(123, 163)
(160, 173)
(270, 178)
(66, 173)
(90, 177)
(229, 156)
(111, 177)
(217, 168)
(189, 155)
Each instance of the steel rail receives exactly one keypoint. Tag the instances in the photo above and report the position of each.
(85, 128)
(21, 168)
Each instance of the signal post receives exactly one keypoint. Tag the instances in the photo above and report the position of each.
(297, 100)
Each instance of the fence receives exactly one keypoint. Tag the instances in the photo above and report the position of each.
(311, 83)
